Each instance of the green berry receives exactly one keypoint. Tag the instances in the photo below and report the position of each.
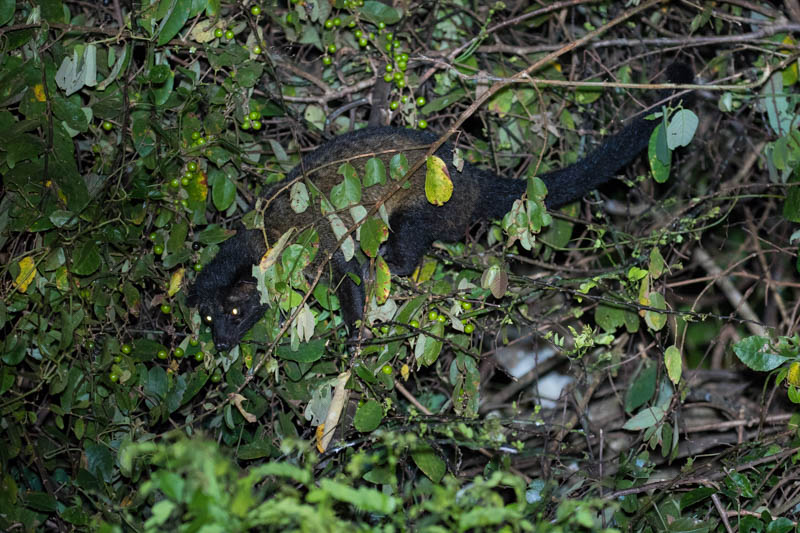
(199, 356)
(114, 377)
(414, 323)
(117, 358)
(363, 42)
(256, 124)
(469, 328)
(400, 83)
(158, 249)
(218, 33)
(256, 50)
(422, 124)
(289, 18)
(384, 329)
(216, 377)
(381, 25)
(387, 369)
(326, 60)
(420, 101)
(433, 315)
(404, 99)
(162, 354)
(191, 166)
(126, 349)
(195, 135)
(255, 11)
(175, 183)
(402, 65)
(337, 21)
(197, 267)
(108, 126)
(329, 24)
(466, 306)
(246, 124)
(358, 34)
(254, 115)
(178, 352)
(388, 77)
(193, 342)
(229, 34)
(389, 68)
(394, 105)
(441, 319)
(200, 141)
(332, 48)
(166, 308)
(153, 236)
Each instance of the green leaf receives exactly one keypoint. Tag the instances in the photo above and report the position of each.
(656, 267)
(643, 387)
(658, 155)
(6, 11)
(375, 172)
(308, 352)
(249, 73)
(791, 206)
(368, 416)
(653, 319)
(176, 17)
(379, 12)
(223, 193)
(86, 259)
(348, 192)
(681, 129)
(71, 113)
(646, 418)
(298, 197)
(609, 317)
(41, 501)
(373, 233)
(426, 349)
(100, 461)
(754, 352)
(157, 382)
(442, 102)
(696, 495)
(429, 462)
(363, 498)
(398, 166)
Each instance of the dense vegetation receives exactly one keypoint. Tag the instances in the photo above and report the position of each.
(136, 135)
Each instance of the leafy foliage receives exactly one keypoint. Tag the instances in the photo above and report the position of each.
(134, 136)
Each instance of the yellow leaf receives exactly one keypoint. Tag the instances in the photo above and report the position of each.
(383, 280)
(27, 273)
(674, 363)
(405, 372)
(425, 272)
(38, 92)
(794, 374)
(438, 185)
(175, 281)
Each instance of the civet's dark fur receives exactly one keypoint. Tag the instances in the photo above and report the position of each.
(226, 283)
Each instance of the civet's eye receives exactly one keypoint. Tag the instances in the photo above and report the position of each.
(207, 319)
(235, 311)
